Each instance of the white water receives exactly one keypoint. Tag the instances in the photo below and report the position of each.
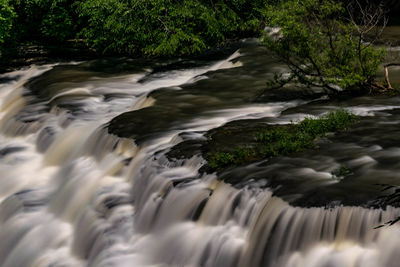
(73, 195)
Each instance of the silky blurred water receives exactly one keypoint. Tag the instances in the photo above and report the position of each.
(74, 193)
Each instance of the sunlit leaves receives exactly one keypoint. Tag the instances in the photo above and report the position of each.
(166, 27)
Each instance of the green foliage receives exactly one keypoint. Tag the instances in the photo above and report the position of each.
(131, 27)
(331, 122)
(320, 45)
(151, 27)
(57, 23)
(284, 139)
(7, 15)
(221, 159)
(341, 172)
(45, 20)
(166, 27)
(237, 157)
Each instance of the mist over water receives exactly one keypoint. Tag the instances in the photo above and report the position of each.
(73, 193)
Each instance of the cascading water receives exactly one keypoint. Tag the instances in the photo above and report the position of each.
(72, 194)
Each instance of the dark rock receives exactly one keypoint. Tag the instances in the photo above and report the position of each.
(9, 150)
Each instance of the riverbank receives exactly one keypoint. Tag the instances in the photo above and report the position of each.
(39, 54)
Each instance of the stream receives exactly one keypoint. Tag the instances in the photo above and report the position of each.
(86, 179)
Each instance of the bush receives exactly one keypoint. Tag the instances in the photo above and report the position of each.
(321, 46)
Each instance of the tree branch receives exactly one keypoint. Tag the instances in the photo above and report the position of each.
(387, 80)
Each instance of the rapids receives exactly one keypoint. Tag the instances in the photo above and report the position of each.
(85, 180)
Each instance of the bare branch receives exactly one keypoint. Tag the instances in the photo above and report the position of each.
(369, 19)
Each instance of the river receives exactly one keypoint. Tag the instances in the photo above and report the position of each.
(86, 180)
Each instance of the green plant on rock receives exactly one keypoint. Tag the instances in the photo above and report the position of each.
(220, 159)
(283, 140)
(239, 156)
(341, 172)
(331, 122)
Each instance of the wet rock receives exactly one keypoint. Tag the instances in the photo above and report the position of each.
(26, 54)
(9, 150)
(292, 92)
(345, 170)
(45, 138)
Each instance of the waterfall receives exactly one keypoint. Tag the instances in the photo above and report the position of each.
(72, 194)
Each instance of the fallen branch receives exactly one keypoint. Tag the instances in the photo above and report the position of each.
(387, 80)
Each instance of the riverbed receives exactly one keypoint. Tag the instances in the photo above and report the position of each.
(86, 180)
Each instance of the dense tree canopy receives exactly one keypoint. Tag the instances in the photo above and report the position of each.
(7, 15)
(166, 27)
(154, 27)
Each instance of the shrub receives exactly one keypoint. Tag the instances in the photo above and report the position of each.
(321, 46)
